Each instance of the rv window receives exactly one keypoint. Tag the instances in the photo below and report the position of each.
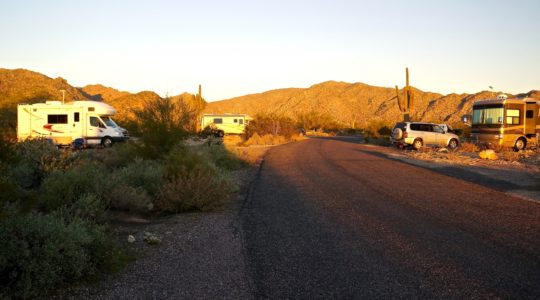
(76, 117)
(108, 121)
(487, 115)
(530, 114)
(235, 120)
(57, 119)
(241, 121)
(512, 116)
(91, 108)
(218, 121)
(94, 121)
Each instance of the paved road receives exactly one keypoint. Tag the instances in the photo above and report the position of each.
(328, 218)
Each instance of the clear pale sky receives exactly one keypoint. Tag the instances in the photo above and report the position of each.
(236, 47)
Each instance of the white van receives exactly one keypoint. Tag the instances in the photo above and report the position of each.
(63, 123)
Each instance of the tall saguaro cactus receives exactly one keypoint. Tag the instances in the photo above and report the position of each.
(406, 103)
(199, 106)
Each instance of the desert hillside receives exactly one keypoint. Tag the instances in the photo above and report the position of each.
(347, 105)
(353, 104)
(24, 86)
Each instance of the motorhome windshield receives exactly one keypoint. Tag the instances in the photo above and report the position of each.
(109, 121)
(488, 115)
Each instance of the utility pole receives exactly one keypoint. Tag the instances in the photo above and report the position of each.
(63, 95)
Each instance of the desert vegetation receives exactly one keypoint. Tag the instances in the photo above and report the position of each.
(55, 204)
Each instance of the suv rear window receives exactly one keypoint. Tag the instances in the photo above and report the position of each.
(422, 127)
(415, 126)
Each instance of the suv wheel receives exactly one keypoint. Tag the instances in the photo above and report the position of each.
(417, 144)
(397, 134)
(452, 144)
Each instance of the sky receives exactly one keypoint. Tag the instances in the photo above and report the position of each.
(234, 48)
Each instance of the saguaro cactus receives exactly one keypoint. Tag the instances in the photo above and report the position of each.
(406, 103)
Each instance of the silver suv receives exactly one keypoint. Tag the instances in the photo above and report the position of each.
(418, 134)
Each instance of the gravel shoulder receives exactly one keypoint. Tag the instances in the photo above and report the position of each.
(201, 256)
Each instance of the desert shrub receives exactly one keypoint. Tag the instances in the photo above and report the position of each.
(271, 124)
(64, 188)
(7, 151)
(468, 147)
(377, 129)
(509, 154)
(162, 124)
(146, 174)
(129, 198)
(184, 159)
(88, 207)
(41, 252)
(34, 159)
(222, 157)
(201, 189)
(12, 195)
(115, 157)
(267, 139)
(314, 120)
(193, 181)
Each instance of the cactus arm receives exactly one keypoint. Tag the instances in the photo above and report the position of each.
(399, 100)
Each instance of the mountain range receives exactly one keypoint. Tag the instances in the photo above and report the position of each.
(355, 105)
(347, 105)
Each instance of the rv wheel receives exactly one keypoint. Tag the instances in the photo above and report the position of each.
(520, 144)
(107, 142)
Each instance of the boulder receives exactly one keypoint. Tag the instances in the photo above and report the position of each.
(488, 154)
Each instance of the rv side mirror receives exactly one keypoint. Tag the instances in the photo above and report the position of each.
(466, 119)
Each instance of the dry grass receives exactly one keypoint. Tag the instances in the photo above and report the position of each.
(468, 147)
(468, 154)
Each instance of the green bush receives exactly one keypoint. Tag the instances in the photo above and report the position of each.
(33, 160)
(41, 252)
(314, 120)
(201, 189)
(129, 198)
(88, 207)
(131, 188)
(146, 174)
(64, 188)
(271, 124)
(193, 181)
(377, 129)
(163, 123)
(115, 157)
(184, 159)
(222, 158)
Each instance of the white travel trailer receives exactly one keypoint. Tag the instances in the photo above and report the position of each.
(63, 123)
(226, 123)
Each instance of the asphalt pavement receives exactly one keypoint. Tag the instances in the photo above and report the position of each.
(328, 218)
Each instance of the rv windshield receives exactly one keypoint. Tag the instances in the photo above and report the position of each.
(109, 121)
(487, 115)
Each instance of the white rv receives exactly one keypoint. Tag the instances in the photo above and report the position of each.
(226, 123)
(65, 122)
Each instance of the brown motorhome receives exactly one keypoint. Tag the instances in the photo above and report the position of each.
(506, 122)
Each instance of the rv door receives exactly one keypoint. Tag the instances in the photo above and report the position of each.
(94, 130)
